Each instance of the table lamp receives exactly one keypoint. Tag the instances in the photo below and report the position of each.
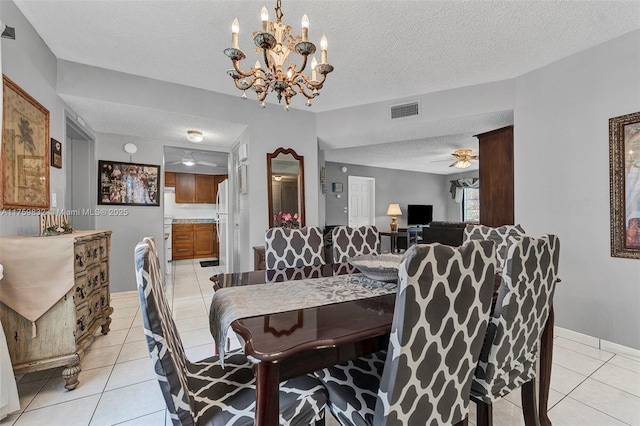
(393, 211)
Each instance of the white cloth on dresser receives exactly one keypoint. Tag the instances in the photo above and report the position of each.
(9, 401)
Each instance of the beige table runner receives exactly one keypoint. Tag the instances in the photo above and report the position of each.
(38, 271)
(232, 303)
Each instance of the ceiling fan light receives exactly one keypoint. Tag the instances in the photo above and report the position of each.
(195, 136)
(462, 164)
(188, 160)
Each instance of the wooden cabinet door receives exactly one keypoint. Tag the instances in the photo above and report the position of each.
(206, 188)
(203, 235)
(169, 179)
(216, 243)
(185, 188)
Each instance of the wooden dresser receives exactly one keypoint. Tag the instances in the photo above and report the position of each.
(60, 336)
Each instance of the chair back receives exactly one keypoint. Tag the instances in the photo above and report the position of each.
(510, 351)
(165, 346)
(293, 248)
(440, 319)
(349, 242)
(500, 236)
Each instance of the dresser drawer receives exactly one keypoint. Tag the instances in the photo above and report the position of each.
(86, 253)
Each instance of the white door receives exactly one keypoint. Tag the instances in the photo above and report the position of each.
(362, 201)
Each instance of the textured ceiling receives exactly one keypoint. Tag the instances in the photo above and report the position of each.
(381, 50)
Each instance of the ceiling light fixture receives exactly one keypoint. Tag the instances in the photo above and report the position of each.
(276, 42)
(188, 160)
(195, 136)
(462, 164)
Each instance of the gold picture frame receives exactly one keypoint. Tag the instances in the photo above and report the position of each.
(24, 166)
(624, 169)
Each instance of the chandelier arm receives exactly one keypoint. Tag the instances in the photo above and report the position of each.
(318, 84)
(267, 63)
(304, 65)
(249, 85)
(242, 73)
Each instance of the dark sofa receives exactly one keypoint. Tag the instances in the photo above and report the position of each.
(449, 233)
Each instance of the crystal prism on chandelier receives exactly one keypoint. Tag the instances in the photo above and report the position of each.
(276, 42)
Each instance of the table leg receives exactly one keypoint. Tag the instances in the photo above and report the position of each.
(267, 394)
(546, 358)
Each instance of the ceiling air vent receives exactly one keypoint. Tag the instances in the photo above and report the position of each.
(405, 110)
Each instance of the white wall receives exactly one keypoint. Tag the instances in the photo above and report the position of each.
(187, 211)
(562, 182)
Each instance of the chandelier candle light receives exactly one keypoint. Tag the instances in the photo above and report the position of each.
(276, 42)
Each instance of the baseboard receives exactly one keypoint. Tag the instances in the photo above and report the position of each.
(604, 345)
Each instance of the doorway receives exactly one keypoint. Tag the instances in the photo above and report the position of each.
(362, 201)
(80, 195)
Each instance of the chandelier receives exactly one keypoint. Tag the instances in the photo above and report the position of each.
(273, 75)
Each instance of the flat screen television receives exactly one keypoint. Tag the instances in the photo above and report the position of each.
(419, 214)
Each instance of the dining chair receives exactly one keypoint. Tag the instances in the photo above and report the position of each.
(350, 242)
(293, 248)
(499, 235)
(202, 392)
(439, 323)
(511, 348)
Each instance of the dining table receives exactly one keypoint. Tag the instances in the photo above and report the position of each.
(283, 343)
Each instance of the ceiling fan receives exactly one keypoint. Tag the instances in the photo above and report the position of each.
(189, 160)
(463, 158)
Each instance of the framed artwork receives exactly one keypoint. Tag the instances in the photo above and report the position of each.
(128, 184)
(336, 187)
(624, 162)
(24, 168)
(56, 154)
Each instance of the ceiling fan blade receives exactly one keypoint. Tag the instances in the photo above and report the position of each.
(175, 162)
(206, 163)
(453, 164)
(439, 161)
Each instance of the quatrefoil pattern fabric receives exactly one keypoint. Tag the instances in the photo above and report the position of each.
(350, 242)
(204, 393)
(511, 349)
(500, 236)
(292, 248)
(441, 315)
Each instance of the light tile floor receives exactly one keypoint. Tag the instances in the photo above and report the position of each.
(118, 386)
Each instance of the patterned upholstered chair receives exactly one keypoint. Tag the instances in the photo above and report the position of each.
(293, 248)
(349, 242)
(439, 324)
(510, 351)
(203, 393)
(500, 236)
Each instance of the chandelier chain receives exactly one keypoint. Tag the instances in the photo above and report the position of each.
(279, 13)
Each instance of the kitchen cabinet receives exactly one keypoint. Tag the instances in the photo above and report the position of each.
(206, 189)
(170, 179)
(194, 240)
(203, 239)
(196, 188)
(182, 241)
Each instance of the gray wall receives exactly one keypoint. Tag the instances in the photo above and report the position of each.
(30, 64)
(453, 209)
(392, 186)
(562, 181)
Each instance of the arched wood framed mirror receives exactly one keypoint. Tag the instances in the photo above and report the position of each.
(285, 184)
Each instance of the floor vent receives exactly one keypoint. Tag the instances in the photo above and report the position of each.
(405, 110)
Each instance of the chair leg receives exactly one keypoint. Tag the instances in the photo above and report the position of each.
(529, 404)
(484, 414)
(320, 422)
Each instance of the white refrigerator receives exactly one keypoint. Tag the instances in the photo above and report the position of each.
(224, 234)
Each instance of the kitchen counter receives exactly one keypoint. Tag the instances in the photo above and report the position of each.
(194, 221)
